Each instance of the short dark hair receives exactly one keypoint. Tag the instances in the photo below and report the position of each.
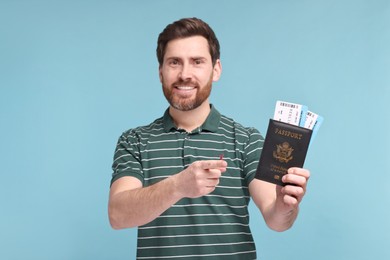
(184, 28)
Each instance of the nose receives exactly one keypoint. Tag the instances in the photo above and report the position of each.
(186, 72)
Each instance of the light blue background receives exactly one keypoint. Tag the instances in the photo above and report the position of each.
(75, 74)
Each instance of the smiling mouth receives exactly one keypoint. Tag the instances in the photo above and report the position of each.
(185, 87)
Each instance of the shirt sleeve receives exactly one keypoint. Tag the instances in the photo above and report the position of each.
(127, 160)
(253, 150)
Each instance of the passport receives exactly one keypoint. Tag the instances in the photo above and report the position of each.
(285, 146)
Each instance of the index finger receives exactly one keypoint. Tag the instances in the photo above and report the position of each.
(299, 171)
(213, 164)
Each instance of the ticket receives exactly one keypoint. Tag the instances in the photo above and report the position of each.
(313, 121)
(290, 113)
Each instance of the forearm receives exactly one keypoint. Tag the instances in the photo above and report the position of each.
(136, 207)
(279, 210)
(131, 205)
(279, 220)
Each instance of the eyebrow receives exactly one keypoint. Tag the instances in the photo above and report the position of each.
(192, 58)
(199, 58)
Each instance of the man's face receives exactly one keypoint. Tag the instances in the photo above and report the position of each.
(187, 72)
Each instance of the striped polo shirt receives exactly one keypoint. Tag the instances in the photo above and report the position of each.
(214, 226)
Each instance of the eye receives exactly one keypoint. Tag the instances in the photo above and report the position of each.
(174, 62)
(198, 61)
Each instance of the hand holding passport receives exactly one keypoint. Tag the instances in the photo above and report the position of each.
(287, 141)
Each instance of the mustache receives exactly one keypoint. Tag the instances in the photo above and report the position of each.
(185, 83)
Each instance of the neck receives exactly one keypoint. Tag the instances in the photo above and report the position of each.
(190, 120)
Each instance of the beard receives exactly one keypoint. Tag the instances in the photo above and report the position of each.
(182, 103)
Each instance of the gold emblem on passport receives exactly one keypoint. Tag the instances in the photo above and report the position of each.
(283, 152)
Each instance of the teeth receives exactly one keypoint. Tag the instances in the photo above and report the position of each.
(185, 87)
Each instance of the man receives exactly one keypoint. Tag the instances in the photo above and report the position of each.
(186, 179)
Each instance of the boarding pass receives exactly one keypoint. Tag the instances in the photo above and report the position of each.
(297, 114)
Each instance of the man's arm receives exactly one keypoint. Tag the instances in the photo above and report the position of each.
(132, 205)
(280, 205)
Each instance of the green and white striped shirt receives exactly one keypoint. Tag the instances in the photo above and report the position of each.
(215, 226)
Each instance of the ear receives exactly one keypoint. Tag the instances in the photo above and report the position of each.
(160, 73)
(217, 70)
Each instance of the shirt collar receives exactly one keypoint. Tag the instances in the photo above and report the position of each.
(211, 124)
